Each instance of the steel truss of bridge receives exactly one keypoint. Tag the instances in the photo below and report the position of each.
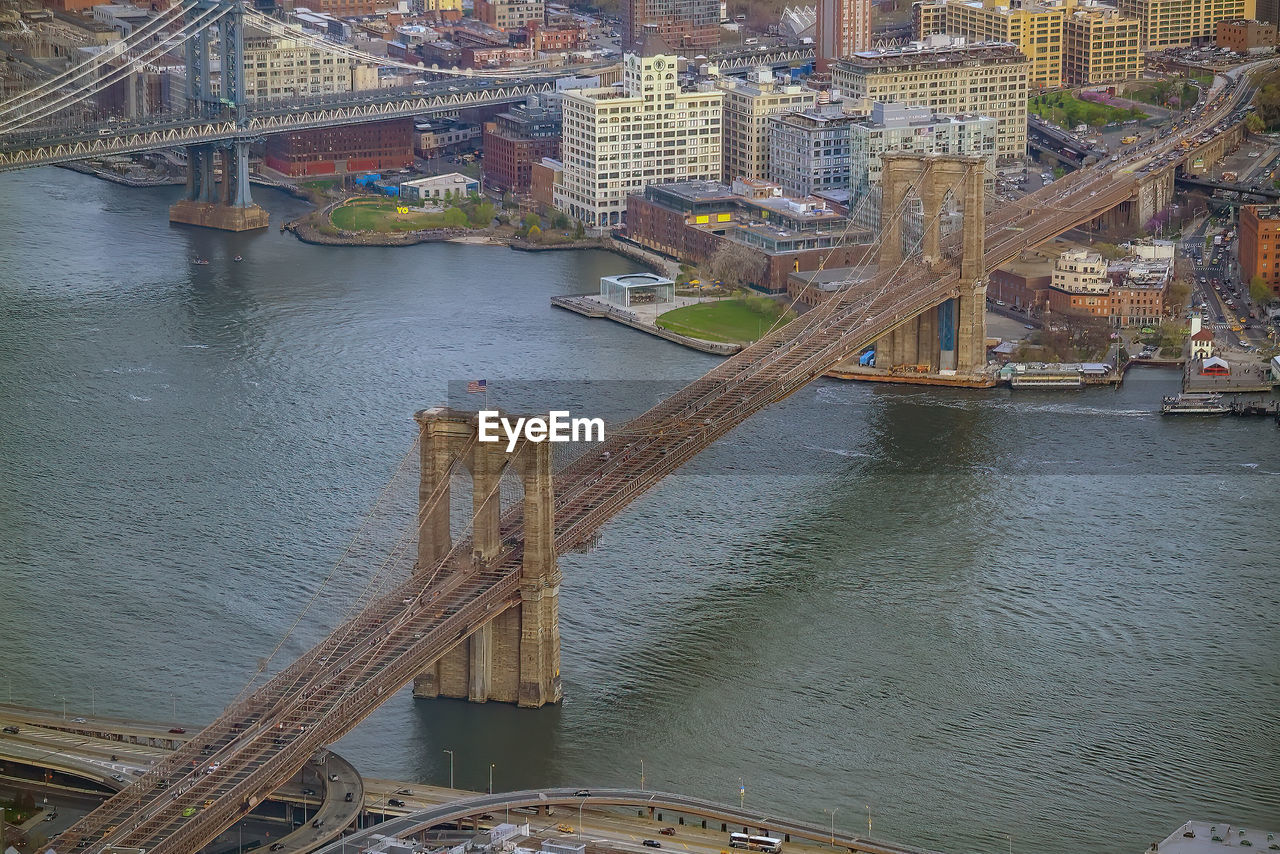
(273, 118)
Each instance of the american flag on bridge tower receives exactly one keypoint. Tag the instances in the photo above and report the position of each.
(477, 386)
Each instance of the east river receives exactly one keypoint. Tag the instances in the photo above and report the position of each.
(1049, 615)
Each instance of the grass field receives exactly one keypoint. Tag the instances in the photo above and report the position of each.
(1067, 111)
(378, 215)
(729, 321)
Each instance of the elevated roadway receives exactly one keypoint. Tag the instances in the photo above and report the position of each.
(731, 816)
(114, 752)
(264, 737)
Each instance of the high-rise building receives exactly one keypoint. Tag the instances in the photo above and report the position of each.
(1171, 23)
(617, 140)
(951, 79)
(682, 25)
(1098, 43)
(843, 29)
(1063, 39)
(748, 104)
(809, 151)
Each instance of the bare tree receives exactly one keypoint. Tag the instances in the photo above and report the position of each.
(737, 266)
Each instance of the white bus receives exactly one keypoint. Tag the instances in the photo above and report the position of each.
(768, 844)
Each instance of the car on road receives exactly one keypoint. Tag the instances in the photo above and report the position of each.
(177, 729)
(349, 797)
(276, 846)
(668, 831)
(308, 791)
(119, 778)
(582, 793)
(565, 828)
(395, 802)
(12, 730)
(77, 720)
(404, 791)
(318, 822)
(188, 812)
(51, 816)
(333, 778)
(651, 843)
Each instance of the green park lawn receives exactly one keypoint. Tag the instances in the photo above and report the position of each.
(377, 215)
(729, 321)
(1067, 111)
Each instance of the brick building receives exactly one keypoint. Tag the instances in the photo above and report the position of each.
(346, 148)
(1244, 36)
(1260, 244)
(517, 139)
(692, 220)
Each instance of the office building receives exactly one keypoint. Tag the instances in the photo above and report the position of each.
(809, 151)
(1065, 41)
(1173, 23)
(748, 104)
(276, 67)
(950, 79)
(1100, 44)
(617, 140)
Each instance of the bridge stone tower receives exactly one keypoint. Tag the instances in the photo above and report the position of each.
(514, 658)
(232, 208)
(950, 339)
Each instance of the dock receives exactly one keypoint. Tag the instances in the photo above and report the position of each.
(588, 305)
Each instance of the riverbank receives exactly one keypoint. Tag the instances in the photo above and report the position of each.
(96, 170)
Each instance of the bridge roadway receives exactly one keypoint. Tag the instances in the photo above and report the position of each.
(642, 798)
(114, 752)
(264, 737)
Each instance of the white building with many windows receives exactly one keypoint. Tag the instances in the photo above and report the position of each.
(619, 139)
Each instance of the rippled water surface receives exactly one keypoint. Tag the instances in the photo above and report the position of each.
(1048, 615)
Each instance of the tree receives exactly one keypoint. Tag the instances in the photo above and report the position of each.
(455, 218)
(736, 266)
(1260, 291)
(559, 220)
(534, 232)
(1179, 296)
(531, 221)
(578, 230)
(1254, 123)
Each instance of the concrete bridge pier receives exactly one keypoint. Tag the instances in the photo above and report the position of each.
(515, 657)
(230, 208)
(951, 338)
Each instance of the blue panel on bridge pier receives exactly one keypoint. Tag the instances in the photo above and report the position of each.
(947, 326)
